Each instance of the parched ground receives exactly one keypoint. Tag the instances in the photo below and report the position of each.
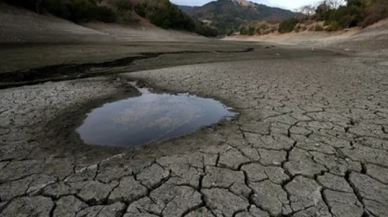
(311, 139)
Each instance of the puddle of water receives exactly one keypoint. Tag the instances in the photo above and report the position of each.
(149, 118)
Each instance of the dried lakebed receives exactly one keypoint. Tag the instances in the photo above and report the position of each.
(311, 139)
(150, 117)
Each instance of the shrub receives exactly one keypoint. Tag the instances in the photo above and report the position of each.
(166, 15)
(334, 26)
(123, 5)
(263, 26)
(60, 8)
(288, 25)
(243, 31)
(206, 31)
(347, 16)
(141, 9)
(86, 10)
(318, 28)
(251, 30)
(27, 4)
(377, 11)
(103, 14)
(323, 11)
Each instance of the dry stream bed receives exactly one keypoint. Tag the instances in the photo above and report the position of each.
(311, 139)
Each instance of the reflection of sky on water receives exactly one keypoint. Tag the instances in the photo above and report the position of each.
(150, 117)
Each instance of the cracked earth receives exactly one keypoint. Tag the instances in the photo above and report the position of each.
(311, 139)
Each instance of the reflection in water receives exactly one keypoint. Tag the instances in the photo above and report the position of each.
(150, 117)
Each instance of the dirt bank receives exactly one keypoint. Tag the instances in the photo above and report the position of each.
(373, 39)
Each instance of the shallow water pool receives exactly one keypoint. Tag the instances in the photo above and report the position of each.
(151, 117)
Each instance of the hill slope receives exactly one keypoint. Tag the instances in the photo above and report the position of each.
(228, 15)
(372, 40)
(161, 13)
(18, 25)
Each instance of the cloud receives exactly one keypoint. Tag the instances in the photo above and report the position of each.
(294, 4)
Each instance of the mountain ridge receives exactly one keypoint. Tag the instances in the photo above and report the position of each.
(229, 15)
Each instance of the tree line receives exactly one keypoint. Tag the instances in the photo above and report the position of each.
(167, 15)
(329, 15)
(342, 14)
(161, 13)
(73, 10)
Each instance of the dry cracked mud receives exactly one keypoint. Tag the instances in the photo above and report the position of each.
(311, 139)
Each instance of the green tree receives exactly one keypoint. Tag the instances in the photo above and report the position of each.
(288, 25)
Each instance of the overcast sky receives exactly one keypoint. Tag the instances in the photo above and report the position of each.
(288, 4)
